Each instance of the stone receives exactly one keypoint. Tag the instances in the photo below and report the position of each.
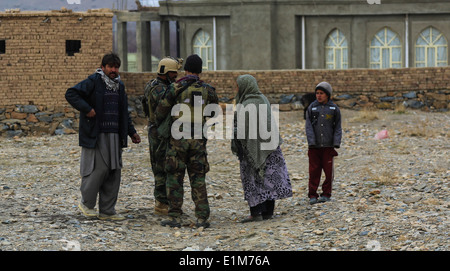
(32, 118)
(410, 95)
(285, 99)
(4, 127)
(10, 122)
(387, 99)
(31, 109)
(348, 103)
(436, 96)
(67, 123)
(284, 107)
(344, 97)
(387, 195)
(439, 104)
(409, 200)
(13, 133)
(318, 232)
(44, 117)
(17, 115)
(384, 105)
(413, 104)
(375, 192)
(65, 131)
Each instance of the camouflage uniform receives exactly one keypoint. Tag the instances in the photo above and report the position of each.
(154, 91)
(185, 154)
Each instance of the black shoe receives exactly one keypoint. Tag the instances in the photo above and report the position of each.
(173, 222)
(323, 199)
(202, 223)
(252, 219)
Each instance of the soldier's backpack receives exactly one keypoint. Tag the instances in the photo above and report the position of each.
(195, 97)
(144, 99)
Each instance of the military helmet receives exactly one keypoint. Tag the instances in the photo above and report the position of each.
(169, 64)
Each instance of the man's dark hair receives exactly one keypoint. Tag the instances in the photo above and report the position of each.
(111, 59)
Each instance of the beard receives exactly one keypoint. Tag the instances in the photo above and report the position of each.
(112, 75)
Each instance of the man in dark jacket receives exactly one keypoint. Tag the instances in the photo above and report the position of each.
(323, 132)
(103, 130)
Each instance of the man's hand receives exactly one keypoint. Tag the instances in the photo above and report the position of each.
(136, 139)
(91, 113)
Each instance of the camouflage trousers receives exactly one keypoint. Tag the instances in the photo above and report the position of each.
(157, 149)
(187, 154)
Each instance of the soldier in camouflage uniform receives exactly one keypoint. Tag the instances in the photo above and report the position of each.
(187, 153)
(154, 90)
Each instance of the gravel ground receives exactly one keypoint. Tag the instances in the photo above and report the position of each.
(388, 194)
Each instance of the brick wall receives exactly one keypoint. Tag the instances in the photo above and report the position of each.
(35, 66)
(36, 70)
(379, 83)
(424, 88)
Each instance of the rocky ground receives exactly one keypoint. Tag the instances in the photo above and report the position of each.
(388, 194)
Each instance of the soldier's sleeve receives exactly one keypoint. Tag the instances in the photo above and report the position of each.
(212, 95)
(146, 100)
(165, 104)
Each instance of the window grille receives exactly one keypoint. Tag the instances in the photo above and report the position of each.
(385, 50)
(202, 45)
(336, 51)
(431, 49)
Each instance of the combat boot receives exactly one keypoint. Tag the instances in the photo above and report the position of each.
(173, 222)
(202, 223)
(161, 208)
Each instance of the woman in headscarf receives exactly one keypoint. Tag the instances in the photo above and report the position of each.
(263, 169)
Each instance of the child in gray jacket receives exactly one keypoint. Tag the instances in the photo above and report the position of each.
(323, 132)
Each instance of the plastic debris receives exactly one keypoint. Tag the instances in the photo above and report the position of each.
(382, 135)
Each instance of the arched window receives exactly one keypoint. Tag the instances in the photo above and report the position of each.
(202, 45)
(431, 49)
(336, 51)
(385, 50)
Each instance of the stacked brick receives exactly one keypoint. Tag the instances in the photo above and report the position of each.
(37, 70)
(36, 67)
(424, 88)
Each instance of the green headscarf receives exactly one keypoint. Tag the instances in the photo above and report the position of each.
(249, 93)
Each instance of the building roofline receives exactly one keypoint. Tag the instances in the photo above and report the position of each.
(56, 13)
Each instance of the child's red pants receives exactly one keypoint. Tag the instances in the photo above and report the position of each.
(320, 159)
